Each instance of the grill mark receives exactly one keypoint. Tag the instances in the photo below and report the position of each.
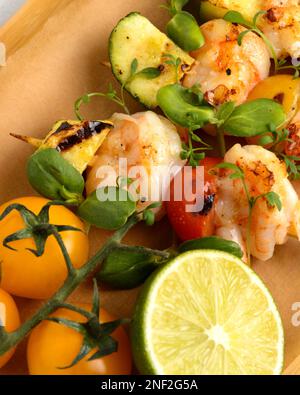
(208, 204)
(86, 131)
(63, 126)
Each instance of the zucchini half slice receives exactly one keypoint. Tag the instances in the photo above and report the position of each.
(135, 37)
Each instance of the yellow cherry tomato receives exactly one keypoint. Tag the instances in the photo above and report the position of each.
(52, 346)
(284, 89)
(22, 273)
(10, 319)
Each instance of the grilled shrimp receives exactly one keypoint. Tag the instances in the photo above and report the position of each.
(264, 173)
(281, 24)
(292, 145)
(150, 144)
(225, 70)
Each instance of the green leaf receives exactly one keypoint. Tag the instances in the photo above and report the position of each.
(237, 172)
(107, 328)
(224, 111)
(110, 214)
(149, 217)
(106, 346)
(242, 35)
(128, 267)
(236, 17)
(184, 155)
(133, 67)
(149, 73)
(48, 173)
(85, 349)
(76, 326)
(182, 107)
(212, 243)
(274, 200)
(257, 16)
(196, 90)
(199, 156)
(266, 140)
(254, 117)
(154, 205)
(20, 235)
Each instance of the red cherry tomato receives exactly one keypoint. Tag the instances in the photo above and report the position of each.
(194, 225)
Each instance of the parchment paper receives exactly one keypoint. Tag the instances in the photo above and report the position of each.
(55, 49)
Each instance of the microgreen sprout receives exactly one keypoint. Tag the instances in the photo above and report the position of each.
(110, 95)
(194, 155)
(147, 73)
(293, 168)
(173, 61)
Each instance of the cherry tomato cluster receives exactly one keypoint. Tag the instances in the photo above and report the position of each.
(51, 346)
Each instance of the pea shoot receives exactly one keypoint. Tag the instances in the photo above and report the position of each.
(111, 94)
(147, 73)
(292, 165)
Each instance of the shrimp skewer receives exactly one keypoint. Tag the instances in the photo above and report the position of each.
(264, 173)
(281, 24)
(146, 141)
(225, 70)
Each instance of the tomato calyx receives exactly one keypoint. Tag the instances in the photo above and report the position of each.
(37, 227)
(96, 335)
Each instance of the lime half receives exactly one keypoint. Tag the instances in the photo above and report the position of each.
(206, 313)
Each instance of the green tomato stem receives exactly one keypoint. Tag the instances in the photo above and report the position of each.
(75, 277)
(70, 267)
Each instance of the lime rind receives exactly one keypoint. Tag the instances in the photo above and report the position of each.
(144, 353)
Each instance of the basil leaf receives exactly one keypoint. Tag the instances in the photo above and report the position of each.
(212, 243)
(274, 200)
(128, 267)
(110, 214)
(254, 117)
(224, 111)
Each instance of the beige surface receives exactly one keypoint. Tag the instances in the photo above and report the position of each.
(55, 49)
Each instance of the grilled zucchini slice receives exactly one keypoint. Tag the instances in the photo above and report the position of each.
(77, 141)
(135, 37)
(214, 9)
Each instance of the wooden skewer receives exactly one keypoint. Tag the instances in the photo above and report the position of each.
(29, 140)
(293, 368)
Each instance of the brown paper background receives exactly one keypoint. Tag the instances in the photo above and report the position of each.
(55, 49)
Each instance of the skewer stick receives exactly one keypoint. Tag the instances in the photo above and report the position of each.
(29, 140)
